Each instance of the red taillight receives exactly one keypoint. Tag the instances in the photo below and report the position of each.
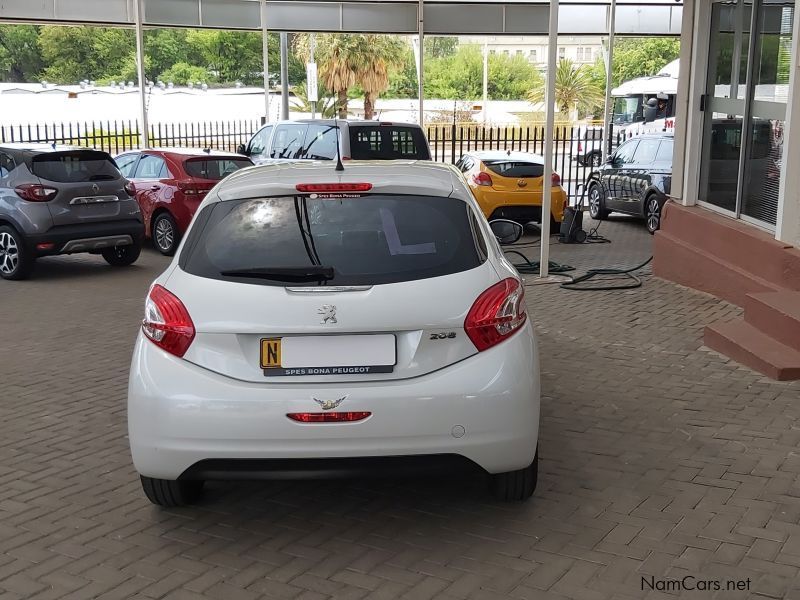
(497, 313)
(193, 188)
(329, 417)
(167, 322)
(556, 179)
(34, 192)
(482, 178)
(333, 187)
(580, 147)
(130, 189)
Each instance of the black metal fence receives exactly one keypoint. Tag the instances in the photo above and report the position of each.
(576, 149)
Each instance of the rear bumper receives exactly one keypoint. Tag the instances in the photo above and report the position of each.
(483, 410)
(524, 206)
(86, 237)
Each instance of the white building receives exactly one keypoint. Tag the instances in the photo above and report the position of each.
(581, 50)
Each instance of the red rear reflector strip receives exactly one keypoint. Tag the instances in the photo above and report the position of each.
(333, 187)
(45, 246)
(329, 417)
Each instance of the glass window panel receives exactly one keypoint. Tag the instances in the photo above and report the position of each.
(719, 169)
(763, 170)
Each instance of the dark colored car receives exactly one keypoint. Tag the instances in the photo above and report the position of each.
(635, 180)
(315, 139)
(170, 185)
(63, 200)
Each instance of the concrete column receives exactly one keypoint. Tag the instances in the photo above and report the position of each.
(265, 52)
(682, 108)
(550, 116)
(788, 225)
(144, 134)
(421, 62)
(612, 24)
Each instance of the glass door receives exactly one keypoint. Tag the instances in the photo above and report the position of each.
(745, 105)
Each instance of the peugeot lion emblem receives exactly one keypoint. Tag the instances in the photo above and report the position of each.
(329, 404)
(328, 312)
(95, 188)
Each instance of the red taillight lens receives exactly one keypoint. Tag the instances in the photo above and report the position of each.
(333, 187)
(496, 314)
(580, 147)
(482, 178)
(193, 188)
(556, 179)
(130, 189)
(329, 417)
(34, 192)
(167, 322)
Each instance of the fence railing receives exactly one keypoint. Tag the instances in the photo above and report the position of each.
(576, 149)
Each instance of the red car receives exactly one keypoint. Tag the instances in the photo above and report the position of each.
(171, 184)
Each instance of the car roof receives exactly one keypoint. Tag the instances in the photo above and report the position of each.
(507, 155)
(188, 153)
(413, 177)
(349, 123)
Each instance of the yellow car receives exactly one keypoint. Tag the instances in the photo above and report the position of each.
(508, 185)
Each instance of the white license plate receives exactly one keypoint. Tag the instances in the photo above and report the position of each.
(328, 355)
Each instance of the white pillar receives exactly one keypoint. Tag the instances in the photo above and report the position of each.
(549, 103)
(138, 15)
(485, 79)
(421, 61)
(612, 25)
(265, 51)
(788, 225)
(682, 107)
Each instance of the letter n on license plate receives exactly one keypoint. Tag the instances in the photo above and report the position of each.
(271, 353)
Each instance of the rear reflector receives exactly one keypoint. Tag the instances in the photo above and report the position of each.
(329, 417)
(45, 246)
(333, 187)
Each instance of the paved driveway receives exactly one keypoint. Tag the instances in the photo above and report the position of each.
(659, 459)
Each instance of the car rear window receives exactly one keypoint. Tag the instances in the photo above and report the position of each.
(366, 240)
(387, 142)
(75, 166)
(513, 168)
(214, 169)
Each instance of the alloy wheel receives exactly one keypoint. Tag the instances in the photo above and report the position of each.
(594, 202)
(165, 234)
(653, 214)
(9, 253)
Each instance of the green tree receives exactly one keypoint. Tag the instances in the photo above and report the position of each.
(637, 57)
(20, 56)
(182, 73)
(440, 46)
(165, 48)
(575, 89)
(325, 107)
(461, 76)
(349, 59)
(76, 53)
(403, 80)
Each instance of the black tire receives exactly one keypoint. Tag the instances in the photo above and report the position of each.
(165, 234)
(123, 256)
(169, 493)
(516, 486)
(16, 261)
(596, 203)
(652, 213)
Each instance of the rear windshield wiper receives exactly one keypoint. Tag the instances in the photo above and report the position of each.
(291, 274)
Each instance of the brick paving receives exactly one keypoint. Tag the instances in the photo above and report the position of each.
(659, 459)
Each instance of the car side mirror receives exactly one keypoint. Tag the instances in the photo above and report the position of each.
(242, 149)
(650, 113)
(507, 232)
(611, 159)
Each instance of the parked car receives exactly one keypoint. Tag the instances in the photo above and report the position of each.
(316, 140)
(587, 145)
(508, 185)
(281, 344)
(170, 184)
(636, 180)
(62, 200)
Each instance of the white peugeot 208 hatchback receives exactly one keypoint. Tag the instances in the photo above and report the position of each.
(317, 322)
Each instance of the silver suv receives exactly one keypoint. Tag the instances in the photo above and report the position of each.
(60, 200)
(315, 139)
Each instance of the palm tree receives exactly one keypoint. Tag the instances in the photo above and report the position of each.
(347, 59)
(575, 88)
(325, 106)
